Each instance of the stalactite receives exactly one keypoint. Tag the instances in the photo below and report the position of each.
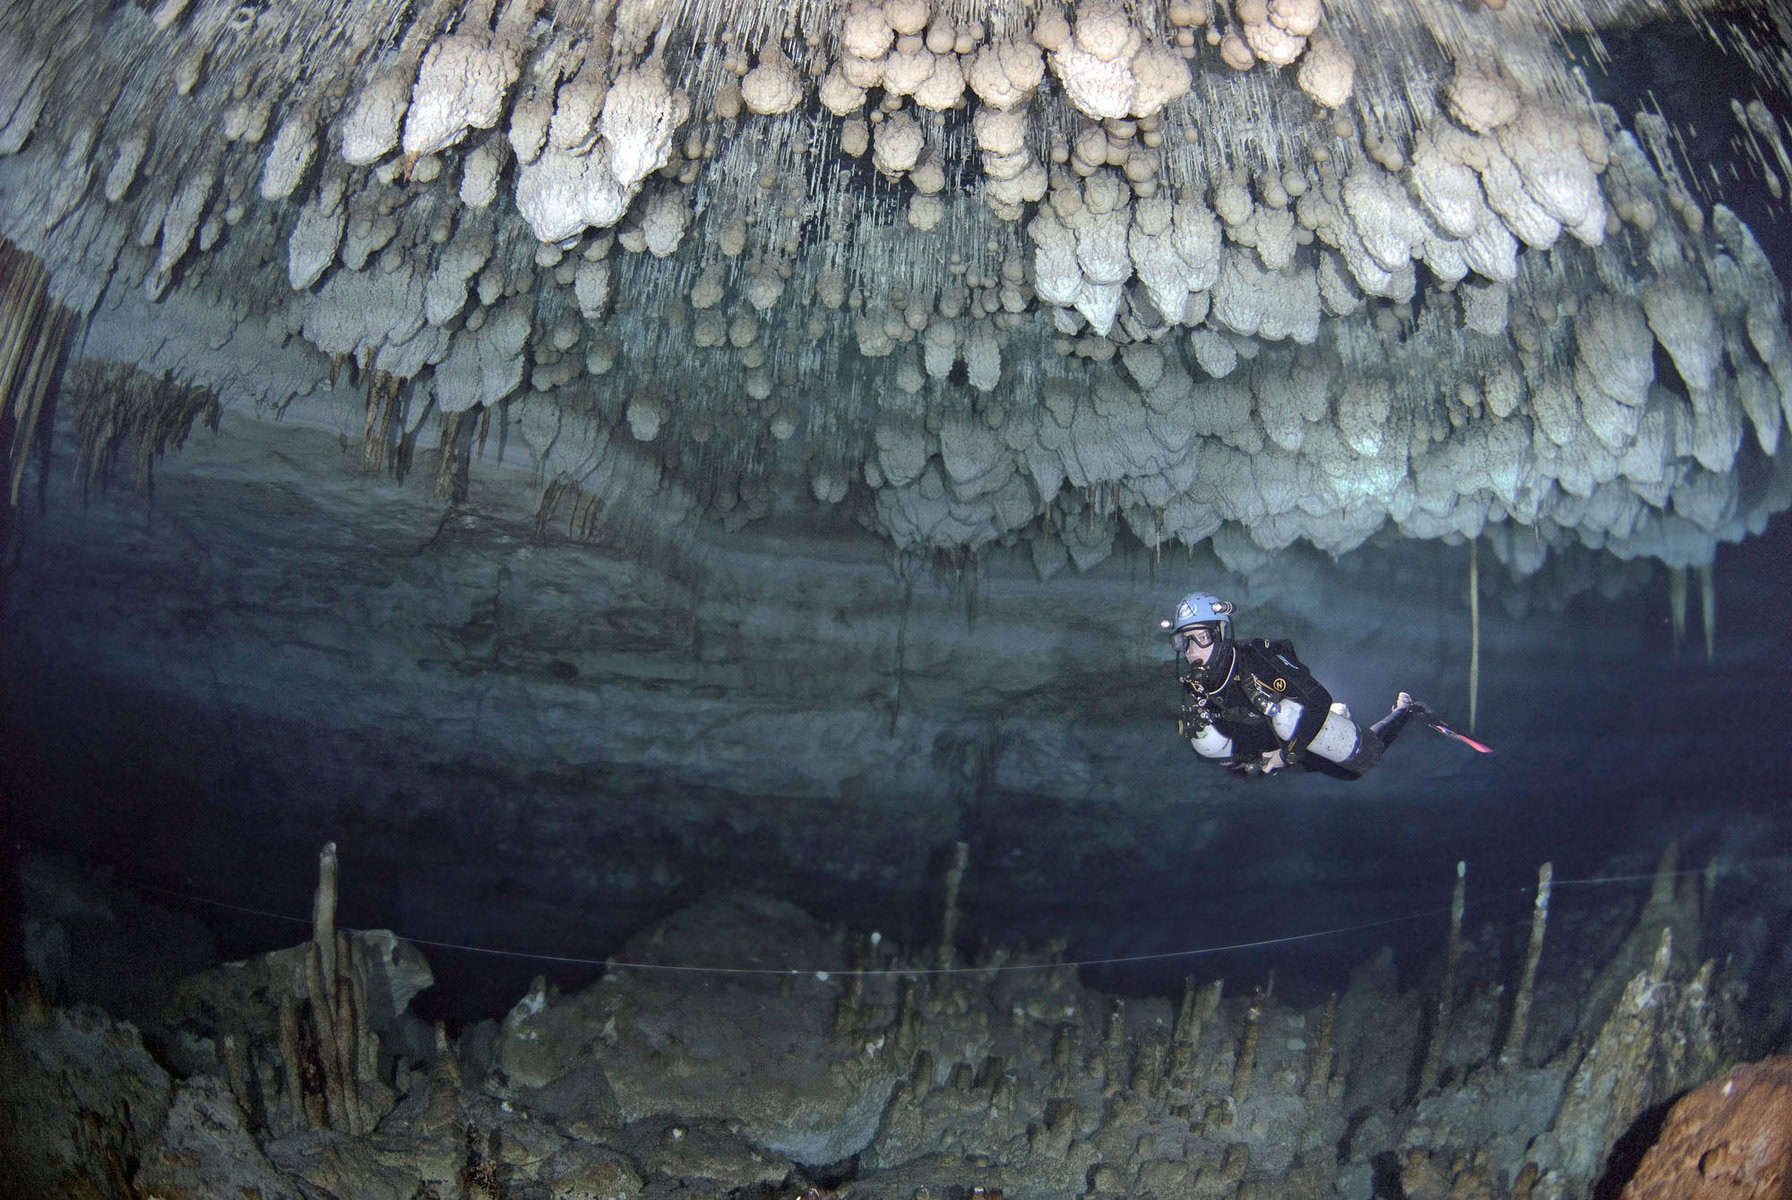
(1474, 630)
(1438, 1036)
(587, 515)
(452, 461)
(1677, 604)
(586, 512)
(36, 386)
(1708, 609)
(1512, 1051)
(550, 500)
(30, 386)
(772, 210)
(896, 675)
(22, 303)
(118, 407)
(33, 332)
(385, 403)
(373, 452)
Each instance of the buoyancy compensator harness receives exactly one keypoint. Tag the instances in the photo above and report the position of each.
(1256, 688)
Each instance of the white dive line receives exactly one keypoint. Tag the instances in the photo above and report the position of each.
(869, 972)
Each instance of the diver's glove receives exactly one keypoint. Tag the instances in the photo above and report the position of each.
(1267, 763)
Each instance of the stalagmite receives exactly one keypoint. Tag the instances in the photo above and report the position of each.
(907, 1016)
(1437, 1036)
(323, 907)
(233, 1056)
(849, 1014)
(1110, 1065)
(1244, 1064)
(1063, 1054)
(1655, 1042)
(344, 1016)
(1197, 1007)
(1320, 1075)
(961, 854)
(442, 1113)
(364, 1047)
(336, 1107)
(305, 1107)
(1512, 1049)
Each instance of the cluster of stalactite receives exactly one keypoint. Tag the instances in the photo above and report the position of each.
(33, 336)
(985, 272)
(119, 410)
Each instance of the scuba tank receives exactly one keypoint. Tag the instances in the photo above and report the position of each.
(1340, 740)
(1197, 723)
(1209, 742)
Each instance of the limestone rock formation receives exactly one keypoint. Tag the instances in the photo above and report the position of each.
(742, 1046)
(1729, 1137)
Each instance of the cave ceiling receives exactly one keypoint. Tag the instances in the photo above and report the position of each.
(972, 276)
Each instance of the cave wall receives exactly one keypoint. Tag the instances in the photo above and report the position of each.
(524, 738)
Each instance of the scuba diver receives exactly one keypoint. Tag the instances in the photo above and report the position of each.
(1255, 707)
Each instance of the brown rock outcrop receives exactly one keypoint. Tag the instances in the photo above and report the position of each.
(1730, 1138)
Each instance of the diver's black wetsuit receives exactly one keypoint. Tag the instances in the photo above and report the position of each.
(1242, 679)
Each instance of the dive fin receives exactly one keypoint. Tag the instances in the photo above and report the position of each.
(1430, 718)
